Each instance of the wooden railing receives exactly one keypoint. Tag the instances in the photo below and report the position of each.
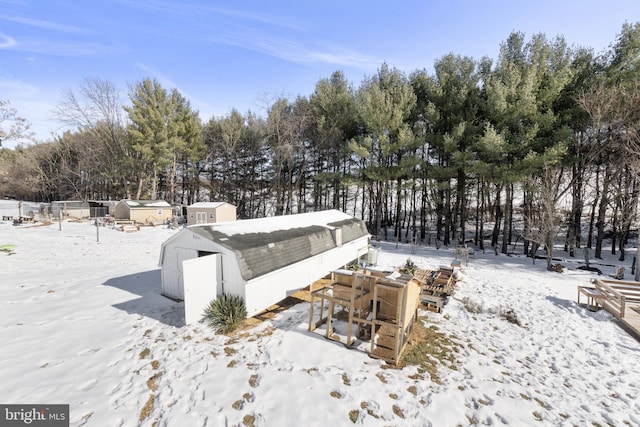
(615, 301)
(618, 293)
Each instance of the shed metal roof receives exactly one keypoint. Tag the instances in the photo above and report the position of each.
(207, 204)
(268, 244)
(142, 204)
(70, 204)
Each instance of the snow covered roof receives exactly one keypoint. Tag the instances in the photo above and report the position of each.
(70, 203)
(103, 202)
(208, 205)
(268, 244)
(133, 204)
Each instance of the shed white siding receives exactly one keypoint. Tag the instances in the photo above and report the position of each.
(270, 288)
(181, 247)
(185, 246)
(265, 260)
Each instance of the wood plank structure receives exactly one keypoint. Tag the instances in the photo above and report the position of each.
(436, 287)
(381, 308)
(620, 298)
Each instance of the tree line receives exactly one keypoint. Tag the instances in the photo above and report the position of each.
(517, 149)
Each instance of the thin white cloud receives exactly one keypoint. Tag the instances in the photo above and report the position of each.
(254, 17)
(49, 25)
(6, 41)
(300, 53)
(11, 85)
(205, 13)
(59, 47)
(255, 32)
(163, 79)
(166, 7)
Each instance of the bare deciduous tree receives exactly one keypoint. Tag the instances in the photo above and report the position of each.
(547, 187)
(12, 126)
(96, 108)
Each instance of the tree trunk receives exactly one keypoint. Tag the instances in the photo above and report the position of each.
(526, 212)
(575, 220)
(614, 230)
(139, 191)
(448, 220)
(398, 226)
(592, 213)
(461, 203)
(378, 198)
(602, 211)
(439, 212)
(480, 215)
(498, 218)
(506, 231)
(548, 247)
(423, 210)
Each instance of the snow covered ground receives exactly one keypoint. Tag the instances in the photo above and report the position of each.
(82, 322)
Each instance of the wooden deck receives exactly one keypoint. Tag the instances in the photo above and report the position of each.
(622, 299)
(631, 318)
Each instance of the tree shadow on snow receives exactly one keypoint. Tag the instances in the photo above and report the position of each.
(150, 302)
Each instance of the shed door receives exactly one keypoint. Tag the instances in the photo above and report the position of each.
(201, 217)
(200, 285)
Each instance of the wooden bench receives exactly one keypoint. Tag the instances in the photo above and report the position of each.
(594, 297)
(130, 228)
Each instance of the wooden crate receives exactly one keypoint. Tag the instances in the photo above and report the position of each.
(387, 303)
(385, 353)
(388, 341)
(343, 277)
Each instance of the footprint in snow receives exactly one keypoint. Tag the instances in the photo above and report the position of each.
(52, 363)
(114, 390)
(502, 419)
(122, 397)
(197, 395)
(88, 385)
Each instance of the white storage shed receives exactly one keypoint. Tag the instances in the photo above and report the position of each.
(262, 260)
(210, 212)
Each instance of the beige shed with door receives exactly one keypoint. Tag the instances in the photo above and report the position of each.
(152, 212)
(210, 212)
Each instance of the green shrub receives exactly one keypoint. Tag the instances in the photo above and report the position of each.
(225, 313)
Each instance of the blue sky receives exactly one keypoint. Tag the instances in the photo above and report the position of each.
(243, 54)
